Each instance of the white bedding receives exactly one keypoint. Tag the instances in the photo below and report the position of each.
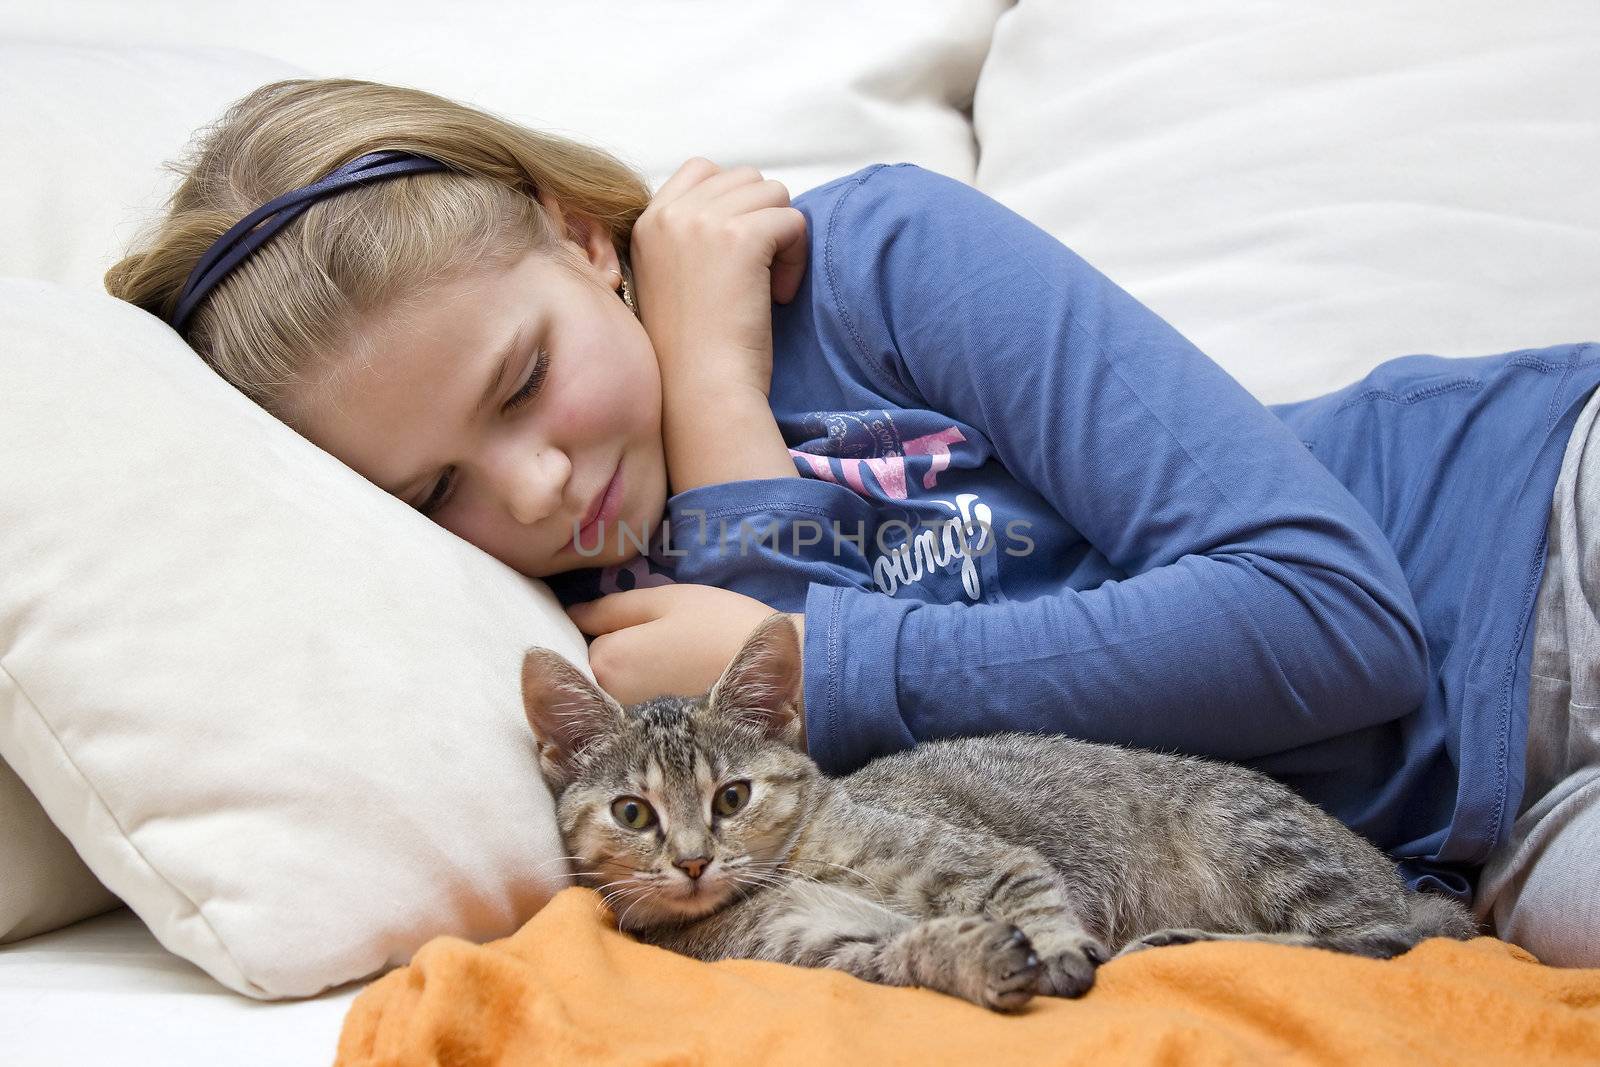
(1260, 183)
(104, 991)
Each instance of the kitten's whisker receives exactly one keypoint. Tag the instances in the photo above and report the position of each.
(616, 895)
(622, 892)
(739, 882)
(622, 922)
(543, 865)
(801, 876)
(763, 876)
(760, 880)
(620, 881)
(627, 885)
(876, 888)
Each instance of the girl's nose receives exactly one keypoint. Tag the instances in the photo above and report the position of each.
(531, 482)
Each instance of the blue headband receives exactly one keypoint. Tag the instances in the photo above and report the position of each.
(250, 232)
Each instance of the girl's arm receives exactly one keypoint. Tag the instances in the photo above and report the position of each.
(723, 436)
(1264, 608)
(708, 252)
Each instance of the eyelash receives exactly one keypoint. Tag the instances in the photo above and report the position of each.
(529, 390)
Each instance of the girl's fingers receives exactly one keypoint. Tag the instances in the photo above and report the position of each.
(615, 611)
(708, 195)
(686, 177)
(753, 196)
(716, 186)
(789, 255)
(763, 204)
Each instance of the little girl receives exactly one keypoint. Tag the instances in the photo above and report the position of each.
(994, 491)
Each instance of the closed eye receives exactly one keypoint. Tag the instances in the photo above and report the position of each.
(535, 382)
(529, 390)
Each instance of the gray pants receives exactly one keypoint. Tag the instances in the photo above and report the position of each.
(1542, 887)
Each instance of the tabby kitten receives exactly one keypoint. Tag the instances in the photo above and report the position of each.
(991, 868)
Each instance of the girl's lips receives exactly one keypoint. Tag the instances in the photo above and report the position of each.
(610, 503)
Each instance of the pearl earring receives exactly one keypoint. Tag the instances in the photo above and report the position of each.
(627, 297)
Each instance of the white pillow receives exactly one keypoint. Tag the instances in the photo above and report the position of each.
(86, 131)
(275, 710)
(1305, 190)
(805, 92)
(45, 884)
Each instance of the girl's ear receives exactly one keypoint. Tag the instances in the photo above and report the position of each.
(762, 683)
(566, 710)
(591, 239)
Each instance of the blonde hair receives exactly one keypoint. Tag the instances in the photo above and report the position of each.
(271, 324)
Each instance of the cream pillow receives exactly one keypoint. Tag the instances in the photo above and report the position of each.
(89, 129)
(806, 92)
(1305, 190)
(86, 131)
(275, 710)
(45, 884)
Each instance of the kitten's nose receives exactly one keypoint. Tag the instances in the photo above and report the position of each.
(692, 867)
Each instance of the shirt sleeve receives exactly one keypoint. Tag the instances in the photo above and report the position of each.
(770, 538)
(1264, 608)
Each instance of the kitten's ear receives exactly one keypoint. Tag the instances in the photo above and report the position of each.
(762, 682)
(566, 710)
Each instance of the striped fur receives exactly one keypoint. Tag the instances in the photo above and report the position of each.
(990, 868)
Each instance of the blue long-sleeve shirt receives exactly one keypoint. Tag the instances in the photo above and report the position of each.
(1028, 503)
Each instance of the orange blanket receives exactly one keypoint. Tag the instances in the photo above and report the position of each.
(568, 989)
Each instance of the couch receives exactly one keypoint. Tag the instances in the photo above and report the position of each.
(1304, 191)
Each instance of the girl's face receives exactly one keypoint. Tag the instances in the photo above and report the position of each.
(502, 404)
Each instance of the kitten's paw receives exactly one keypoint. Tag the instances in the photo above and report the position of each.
(1070, 959)
(1006, 967)
(1159, 938)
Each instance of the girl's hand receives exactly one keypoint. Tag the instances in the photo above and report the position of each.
(710, 254)
(668, 639)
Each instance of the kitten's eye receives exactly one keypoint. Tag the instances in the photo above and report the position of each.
(731, 797)
(633, 813)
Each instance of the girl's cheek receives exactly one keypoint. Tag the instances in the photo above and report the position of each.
(467, 520)
(600, 412)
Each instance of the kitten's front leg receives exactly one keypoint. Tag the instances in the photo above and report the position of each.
(1029, 893)
(990, 963)
(1018, 886)
(810, 924)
